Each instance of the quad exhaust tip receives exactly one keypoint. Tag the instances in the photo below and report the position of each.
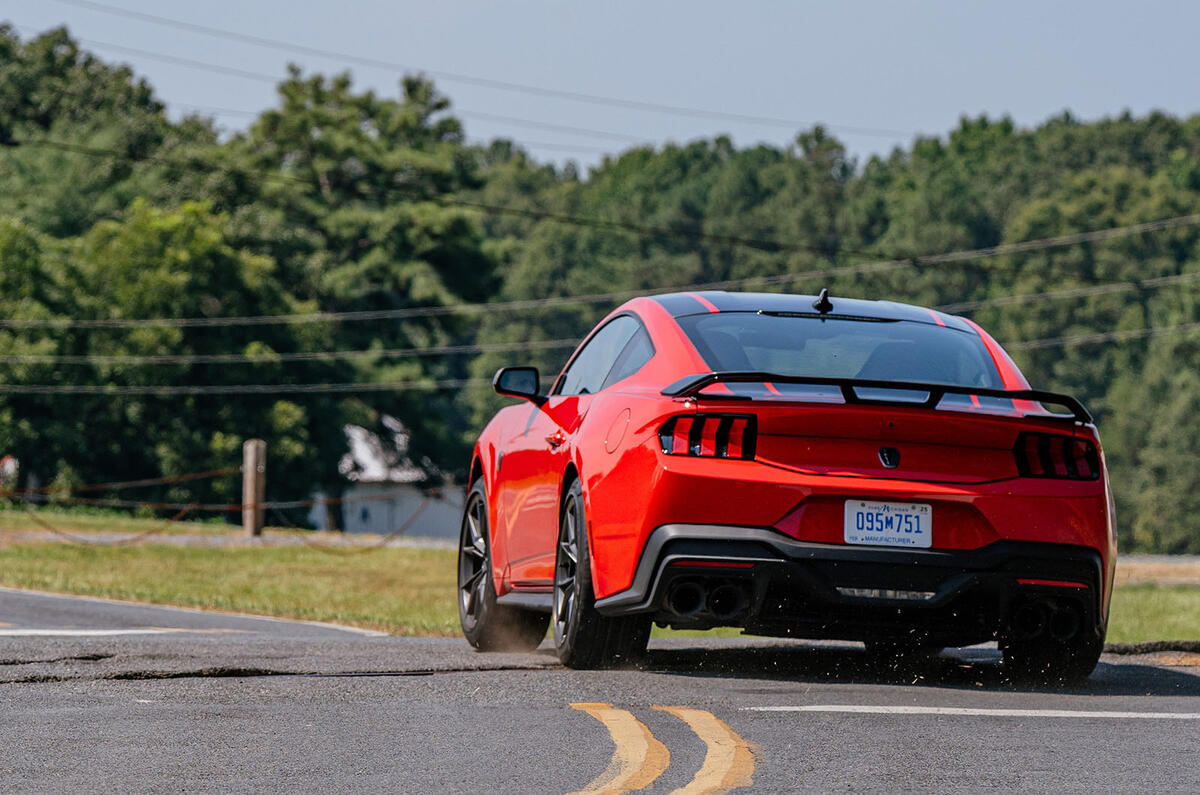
(693, 599)
(686, 599)
(1029, 620)
(1045, 617)
(1064, 623)
(726, 602)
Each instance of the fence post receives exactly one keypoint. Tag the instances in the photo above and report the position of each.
(254, 485)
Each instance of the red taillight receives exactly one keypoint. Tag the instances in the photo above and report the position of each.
(709, 436)
(675, 436)
(1084, 456)
(1030, 455)
(1048, 455)
(735, 441)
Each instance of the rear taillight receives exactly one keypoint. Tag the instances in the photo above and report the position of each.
(1048, 455)
(709, 436)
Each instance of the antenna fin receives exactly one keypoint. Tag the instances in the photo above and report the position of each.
(823, 304)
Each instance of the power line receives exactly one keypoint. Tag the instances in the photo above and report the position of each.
(1074, 292)
(1062, 240)
(263, 77)
(460, 383)
(500, 347)
(556, 146)
(274, 358)
(923, 259)
(957, 256)
(550, 146)
(273, 79)
(175, 390)
(232, 71)
(447, 309)
(1099, 337)
(951, 257)
(771, 246)
(929, 259)
(550, 127)
(539, 303)
(485, 82)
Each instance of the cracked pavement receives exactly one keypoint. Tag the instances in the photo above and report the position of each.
(103, 696)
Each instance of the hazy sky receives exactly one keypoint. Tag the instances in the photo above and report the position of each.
(875, 72)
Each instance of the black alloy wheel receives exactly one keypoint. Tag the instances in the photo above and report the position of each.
(488, 626)
(472, 563)
(566, 567)
(1046, 661)
(583, 637)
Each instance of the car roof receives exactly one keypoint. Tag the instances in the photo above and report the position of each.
(683, 304)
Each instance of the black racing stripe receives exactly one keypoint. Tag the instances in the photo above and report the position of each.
(678, 304)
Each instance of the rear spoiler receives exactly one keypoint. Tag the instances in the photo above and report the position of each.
(690, 386)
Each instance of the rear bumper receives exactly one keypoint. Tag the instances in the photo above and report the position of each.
(780, 586)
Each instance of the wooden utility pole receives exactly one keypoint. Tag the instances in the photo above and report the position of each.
(254, 486)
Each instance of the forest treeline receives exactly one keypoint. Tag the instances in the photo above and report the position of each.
(338, 200)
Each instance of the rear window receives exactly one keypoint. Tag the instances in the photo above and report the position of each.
(891, 350)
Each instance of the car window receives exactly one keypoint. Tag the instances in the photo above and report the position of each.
(587, 373)
(636, 353)
(893, 350)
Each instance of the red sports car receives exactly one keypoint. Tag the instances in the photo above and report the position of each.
(796, 466)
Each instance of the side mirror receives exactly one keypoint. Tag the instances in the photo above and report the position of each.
(518, 382)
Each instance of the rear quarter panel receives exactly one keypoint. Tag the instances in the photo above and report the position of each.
(619, 463)
(615, 450)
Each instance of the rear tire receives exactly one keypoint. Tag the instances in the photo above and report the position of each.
(488, 626)
(583, 637)
(1045, 661)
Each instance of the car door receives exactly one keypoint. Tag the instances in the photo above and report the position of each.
(544, 450)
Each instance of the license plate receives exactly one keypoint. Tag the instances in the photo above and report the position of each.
(889, 524)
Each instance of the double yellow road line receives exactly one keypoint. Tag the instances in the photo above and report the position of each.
(639, 758)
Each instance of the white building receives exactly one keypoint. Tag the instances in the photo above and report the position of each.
(388, 489)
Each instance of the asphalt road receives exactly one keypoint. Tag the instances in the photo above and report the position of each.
(101, 696)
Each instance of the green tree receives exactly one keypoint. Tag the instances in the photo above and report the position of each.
(347, 192)
(160, 263)
(81, 135)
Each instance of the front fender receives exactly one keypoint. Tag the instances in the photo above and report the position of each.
(486, 461)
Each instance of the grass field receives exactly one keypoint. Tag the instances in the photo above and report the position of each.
(1154, 612)
(89, 520)
(403, 591)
